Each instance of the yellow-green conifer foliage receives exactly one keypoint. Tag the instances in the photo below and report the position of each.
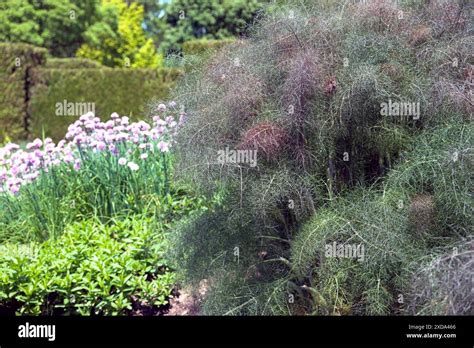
(119, 39)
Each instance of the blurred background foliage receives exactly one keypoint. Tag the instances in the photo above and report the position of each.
(123, 33)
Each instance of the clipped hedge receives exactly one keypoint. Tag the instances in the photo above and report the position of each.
(16, 60)
(194, 47)
(125, 91)
(72, 63)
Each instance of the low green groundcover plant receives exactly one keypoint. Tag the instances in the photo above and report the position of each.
(92, 269)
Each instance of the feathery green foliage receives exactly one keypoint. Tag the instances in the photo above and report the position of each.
(306, 91)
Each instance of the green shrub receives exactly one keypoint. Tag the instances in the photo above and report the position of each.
(206, 20)
(440, 164)
(92, 269)
(305, 92)
(365, 286)
(16, 61)
(425, 205)
(118, 38)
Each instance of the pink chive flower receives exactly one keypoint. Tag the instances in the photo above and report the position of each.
(160, 130)
(15, 189)
(164, 146)
(160, 122)
(143, 126)
(113, 149)
(68, 158)
(90, 125)
(77, 164)
(36, 144)
(124, 121)
(133, 166)
(11, 147)
(122, 161)
(3, 175)
(39, 153)
(86, 117)
(79, 139)
(31, 176)
(49, 148)
(109, 124)
(101, 146)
